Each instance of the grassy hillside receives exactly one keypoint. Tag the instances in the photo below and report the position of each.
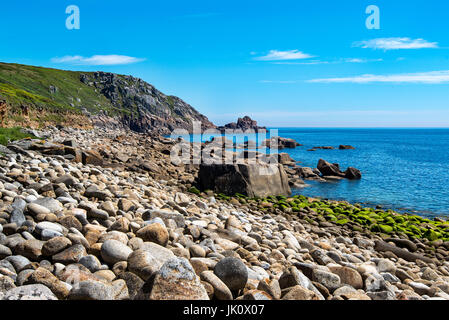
(31, 86)
(37, 96)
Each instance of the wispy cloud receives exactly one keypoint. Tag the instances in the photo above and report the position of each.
(433, 77)
(361, 60)
(342, 60)
(395, 43)
(97, 60)
(275, 55)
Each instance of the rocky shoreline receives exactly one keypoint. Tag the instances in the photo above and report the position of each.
(105, 215)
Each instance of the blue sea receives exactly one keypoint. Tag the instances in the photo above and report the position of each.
(403, 169)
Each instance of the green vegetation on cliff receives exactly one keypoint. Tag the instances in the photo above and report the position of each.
(48, 89)
(42, 95)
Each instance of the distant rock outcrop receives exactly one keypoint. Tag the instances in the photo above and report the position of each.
(280, 143)
(346, 147)
(244, 124)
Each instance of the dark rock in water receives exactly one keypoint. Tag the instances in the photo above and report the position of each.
(332, 170)
(329, 169)
(346, 147)
(233, 273)
(244, 124)
(324, 148)
(253, 180)
(353, 174)
(280, 143)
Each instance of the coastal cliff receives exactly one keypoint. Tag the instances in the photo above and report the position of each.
(36, 97)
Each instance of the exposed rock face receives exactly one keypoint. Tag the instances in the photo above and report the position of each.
(244, 124)
(148, 109)
(248, 179)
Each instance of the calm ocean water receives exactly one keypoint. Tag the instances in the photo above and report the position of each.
(403, 169)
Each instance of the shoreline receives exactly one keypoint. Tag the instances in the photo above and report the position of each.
(384, 206)
(367, 220)
(424, 212)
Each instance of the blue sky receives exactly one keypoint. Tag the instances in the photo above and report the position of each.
(284, 63)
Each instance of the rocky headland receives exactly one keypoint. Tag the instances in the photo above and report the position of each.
(243, 124)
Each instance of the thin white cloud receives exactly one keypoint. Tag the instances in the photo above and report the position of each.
(275, 55)
(395, 43)
(361, 60)
(97, 60)
(433, 77)
(342, 60)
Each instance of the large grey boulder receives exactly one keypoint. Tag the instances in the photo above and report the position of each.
(252, 179)
(30, 292)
